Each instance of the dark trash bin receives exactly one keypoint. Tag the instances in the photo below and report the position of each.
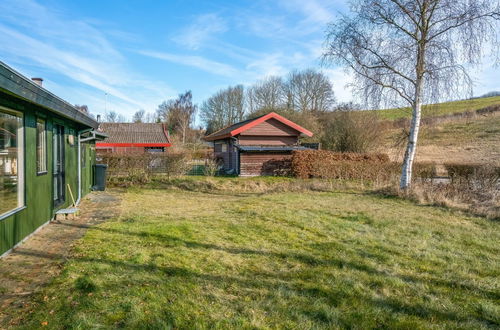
(100, 177)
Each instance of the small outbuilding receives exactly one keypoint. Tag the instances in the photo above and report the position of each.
(47, 153)
(257, 146)
(133, 138)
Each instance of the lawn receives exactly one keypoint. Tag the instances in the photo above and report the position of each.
(191, 258)
(441, 108)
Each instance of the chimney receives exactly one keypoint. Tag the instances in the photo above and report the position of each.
(38, 81)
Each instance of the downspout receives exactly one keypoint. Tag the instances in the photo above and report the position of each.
(80, 164)
(236, 145)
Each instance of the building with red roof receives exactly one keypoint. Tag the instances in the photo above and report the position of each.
(127, 138)
(257, 146)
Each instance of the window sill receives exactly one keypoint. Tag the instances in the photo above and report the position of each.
(41, 173)
(8, 214)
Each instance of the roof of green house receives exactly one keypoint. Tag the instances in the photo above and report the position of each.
(12, 82)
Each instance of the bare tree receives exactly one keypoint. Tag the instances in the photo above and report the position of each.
(266, 94)
(151, 117)
(178, 114)
(139, 116)
(114, 117)
(224, 108)
(309, 90)
(413, 52)
(186, 112)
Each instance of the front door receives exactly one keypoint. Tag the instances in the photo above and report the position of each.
(58, 166)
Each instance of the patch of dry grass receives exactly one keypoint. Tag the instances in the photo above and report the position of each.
(474, 140)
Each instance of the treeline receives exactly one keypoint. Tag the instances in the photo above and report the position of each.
(305, 97)
(306, 91)
(177, 114)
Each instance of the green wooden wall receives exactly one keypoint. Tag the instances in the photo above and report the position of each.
(39, 188)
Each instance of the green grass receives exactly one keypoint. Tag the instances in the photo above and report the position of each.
(441, 108)
(299, 260)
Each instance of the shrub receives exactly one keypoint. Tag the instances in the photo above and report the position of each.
(352, 131)
(474, 176)
(212, 166)
(424, 171)
(333, 165)
(125, 170)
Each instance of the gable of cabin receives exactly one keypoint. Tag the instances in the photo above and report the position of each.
(269, 133)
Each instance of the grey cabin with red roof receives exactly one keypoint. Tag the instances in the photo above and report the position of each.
(257, 146)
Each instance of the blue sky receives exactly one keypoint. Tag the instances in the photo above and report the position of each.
(143, 52)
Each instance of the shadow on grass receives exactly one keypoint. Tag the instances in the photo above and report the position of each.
(303, 258)
(333, 296)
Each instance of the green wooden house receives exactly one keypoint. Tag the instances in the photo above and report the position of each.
(47, 153)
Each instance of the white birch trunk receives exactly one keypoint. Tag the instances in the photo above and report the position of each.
(411, 148)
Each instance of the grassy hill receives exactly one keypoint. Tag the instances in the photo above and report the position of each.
(473, 140)
(457, 140)
(440, 109)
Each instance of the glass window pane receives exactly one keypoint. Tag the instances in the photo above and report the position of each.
(41, 146)
(11, 161)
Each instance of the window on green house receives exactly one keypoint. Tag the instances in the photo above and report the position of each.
(41, 146)
(71, 137)
(11, 161)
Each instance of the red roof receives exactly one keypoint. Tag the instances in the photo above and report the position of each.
(134, 135)
(237, 128)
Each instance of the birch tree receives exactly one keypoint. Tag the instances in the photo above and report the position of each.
(178, 114)
(410, 52)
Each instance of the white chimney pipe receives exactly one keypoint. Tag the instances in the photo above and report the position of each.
(38, 81)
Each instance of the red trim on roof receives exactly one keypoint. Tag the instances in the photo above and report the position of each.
(107, 145)
(257, 121)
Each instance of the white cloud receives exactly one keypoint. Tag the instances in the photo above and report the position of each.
(201, 31)
(198, 62)
(313, 11)
(340, 80)
(35, 36)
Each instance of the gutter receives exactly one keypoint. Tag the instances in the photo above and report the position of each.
(80, 140)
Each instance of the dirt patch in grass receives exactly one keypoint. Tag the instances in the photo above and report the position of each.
(41, 258)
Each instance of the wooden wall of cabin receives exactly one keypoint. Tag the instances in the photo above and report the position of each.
(254, 163)
(38, 188)
(228, 154)
(269, 133)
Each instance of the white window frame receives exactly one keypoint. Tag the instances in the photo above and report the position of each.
(20, 164)
(44, 147)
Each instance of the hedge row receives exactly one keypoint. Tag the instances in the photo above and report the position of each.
(372, 167)
(480, 175)
(170, 164)
(335, 165)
